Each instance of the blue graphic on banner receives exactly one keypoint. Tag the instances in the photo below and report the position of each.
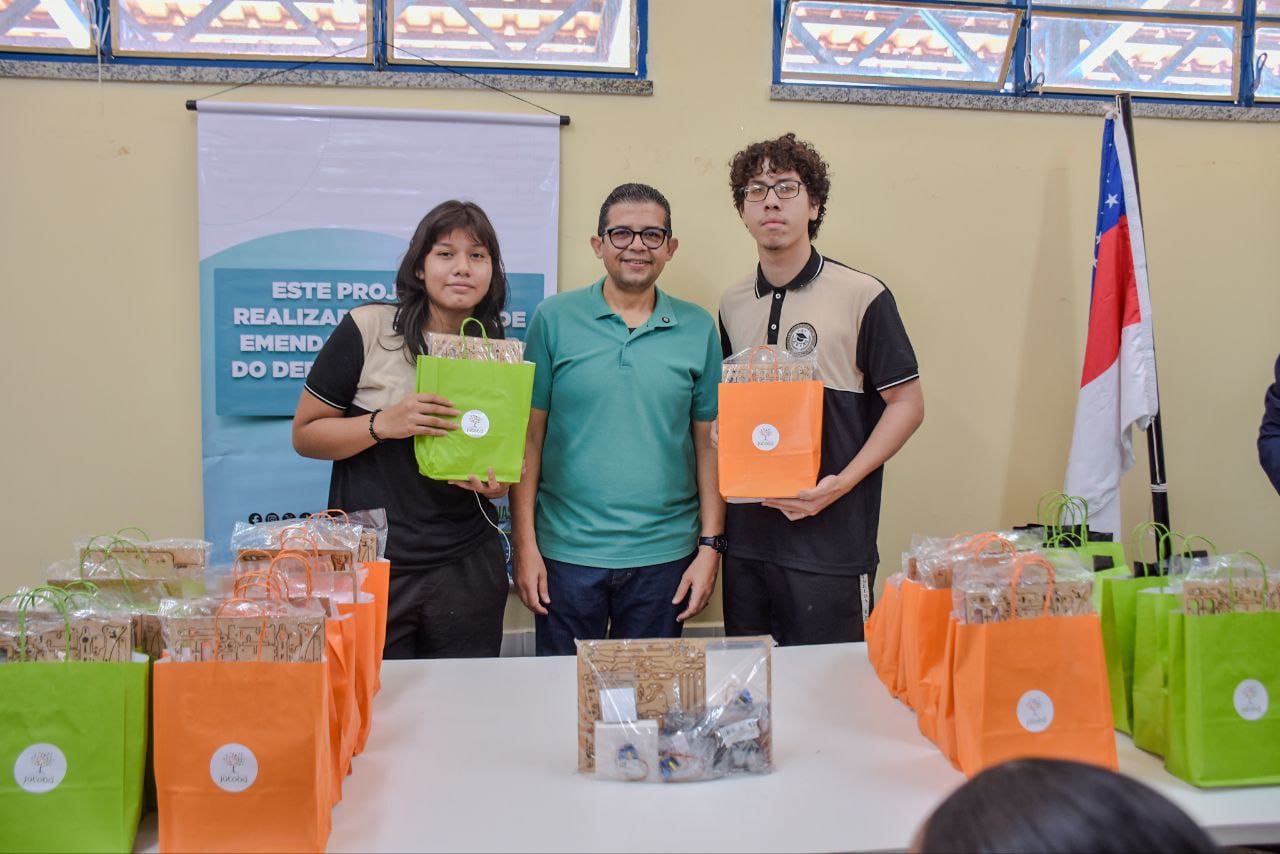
(269, 324)
(251, 472)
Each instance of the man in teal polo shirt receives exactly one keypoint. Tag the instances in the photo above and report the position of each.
(618, 520)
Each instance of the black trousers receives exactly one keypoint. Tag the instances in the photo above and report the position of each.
(449, 611)
(795, 606)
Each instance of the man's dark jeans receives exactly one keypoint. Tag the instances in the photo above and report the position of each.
(590, 603)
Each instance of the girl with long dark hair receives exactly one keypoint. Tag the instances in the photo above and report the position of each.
(361, 410)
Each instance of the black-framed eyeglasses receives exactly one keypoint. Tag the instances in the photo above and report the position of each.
(787, 189)
(621, 237)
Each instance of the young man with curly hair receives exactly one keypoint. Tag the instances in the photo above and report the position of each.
(802, 568)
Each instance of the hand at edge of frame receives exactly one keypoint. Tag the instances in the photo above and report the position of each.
(809, 502)
(490, 490)
(698, 582)
(531, 578)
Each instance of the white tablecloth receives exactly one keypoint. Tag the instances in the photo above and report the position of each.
(479, 755)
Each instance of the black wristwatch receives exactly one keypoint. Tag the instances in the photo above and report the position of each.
(720, 543)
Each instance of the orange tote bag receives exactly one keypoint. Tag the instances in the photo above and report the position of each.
(1032, 687)
(770, 438)
(344, 712)
(884, 633)
(377, 583)
(242, 755)
(924, 637)
(366, 661)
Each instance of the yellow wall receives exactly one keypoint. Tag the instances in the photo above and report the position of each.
(981, 223)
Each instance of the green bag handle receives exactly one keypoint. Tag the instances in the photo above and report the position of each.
(1065, 509)
(462, 333)
(25, 600)
(1212, 549)
(1051, 495)
(78, 588)
(109, 553)
(1159, 529)
(145, 536)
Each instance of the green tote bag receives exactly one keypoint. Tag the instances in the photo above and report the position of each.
(1224, 698)
(493, 399)
(1151, 667)
(72, 752)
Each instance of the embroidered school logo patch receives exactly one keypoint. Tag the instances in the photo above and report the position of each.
(40, 768)
(1251, 699)
(233, 767)
(475, 423)
(1035, 711)
(802, 339)
(765, 437)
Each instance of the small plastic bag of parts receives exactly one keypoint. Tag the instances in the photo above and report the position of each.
(726, 731)
(767, 363)
(507, 350)
(1230, 583)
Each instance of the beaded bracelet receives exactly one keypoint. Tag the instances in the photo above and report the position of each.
(376, 438)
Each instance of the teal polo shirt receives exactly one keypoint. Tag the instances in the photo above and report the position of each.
(619, 481)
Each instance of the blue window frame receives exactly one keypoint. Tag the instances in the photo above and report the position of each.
(594, 38)
(1189, 51)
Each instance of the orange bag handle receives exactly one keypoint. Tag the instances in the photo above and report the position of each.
(301, 558)
(262, 578)
(328, 514)
(751, 357)
(294, 527)
(1018, 564)
(262, 631)
(977, 545)
(256, 553)
(304, 536)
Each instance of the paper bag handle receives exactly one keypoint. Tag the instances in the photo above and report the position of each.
(1018, 564)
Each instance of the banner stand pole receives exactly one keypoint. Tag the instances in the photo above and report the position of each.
(1155, 430)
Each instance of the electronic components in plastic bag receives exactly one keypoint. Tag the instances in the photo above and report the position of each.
(708, 717)
(684, 747)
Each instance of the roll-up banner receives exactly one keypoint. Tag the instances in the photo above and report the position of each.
(305, 213)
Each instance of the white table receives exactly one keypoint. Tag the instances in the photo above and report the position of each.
(479, 755)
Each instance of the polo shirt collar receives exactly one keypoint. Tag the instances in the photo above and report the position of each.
(664, 313)
(807, 274)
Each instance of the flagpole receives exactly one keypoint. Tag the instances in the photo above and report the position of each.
(1155, 431)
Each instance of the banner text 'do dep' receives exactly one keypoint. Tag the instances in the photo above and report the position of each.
(269, 324)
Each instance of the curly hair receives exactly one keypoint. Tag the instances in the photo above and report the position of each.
(784, 153)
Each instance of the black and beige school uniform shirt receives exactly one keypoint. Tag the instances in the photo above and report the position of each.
(850, 320)
(363, 368)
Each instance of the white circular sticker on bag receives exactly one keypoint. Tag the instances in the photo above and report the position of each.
(475, 423)
(40, 768)
(1035, 711)
(1251, 699)
(233, 767)
(765, 437)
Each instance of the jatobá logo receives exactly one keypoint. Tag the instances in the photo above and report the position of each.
(233, 767)
(40, 768)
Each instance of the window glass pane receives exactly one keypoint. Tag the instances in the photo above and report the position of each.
(593, 35)
(1127, 55)
(1269, 7)
(49, 25)
(276, 29)
(875, 43)
(1267, 40)
(1155, 7)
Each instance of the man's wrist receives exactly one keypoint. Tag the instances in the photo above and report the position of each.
(718, 542)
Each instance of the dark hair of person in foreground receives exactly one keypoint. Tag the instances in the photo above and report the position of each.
(1050, 805)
